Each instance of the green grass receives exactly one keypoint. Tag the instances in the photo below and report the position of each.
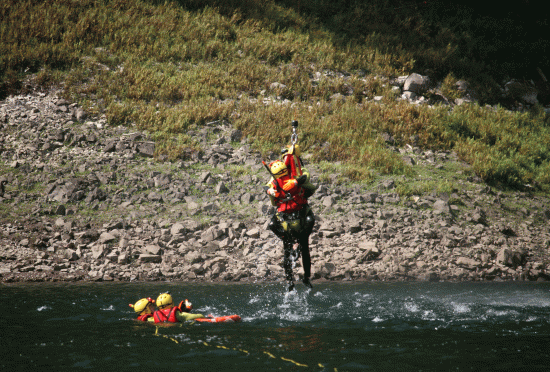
(167, 67)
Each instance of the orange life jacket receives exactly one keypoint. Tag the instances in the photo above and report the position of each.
(166, 315)
(144, 317)
(296, 200)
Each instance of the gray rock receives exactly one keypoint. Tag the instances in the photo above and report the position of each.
(369, 251)
(98, 250)
(522, 91)
(122, 259)
(194, 257)
(442, 206)
(146, 149)
(429, 277)
(510, 258)
(147, 257)
(81, 115)
(110, 147)
(236, 135)
(152, 249)
(106, 237)
(177, 229)
(416, 83)
(328, 201)
(155, 197)
(212, 233)
(253, 233)
(468, 263)
(162, 180)
(221, 188)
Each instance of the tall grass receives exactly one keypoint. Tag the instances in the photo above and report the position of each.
(172, 66)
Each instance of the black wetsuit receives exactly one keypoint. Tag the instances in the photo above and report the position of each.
(307, 221)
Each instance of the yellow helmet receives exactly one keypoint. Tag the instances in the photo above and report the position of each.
(141, 305)
(294, 150)
(278, 169)
(164, 300)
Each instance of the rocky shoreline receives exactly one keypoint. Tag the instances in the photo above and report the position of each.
(82, 201)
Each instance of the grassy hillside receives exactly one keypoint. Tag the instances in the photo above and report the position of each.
(172, 66)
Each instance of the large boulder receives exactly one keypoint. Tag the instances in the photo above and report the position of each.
(510, 258)
(522, 91)
(416, 83)
(177, 229)
(468, 263)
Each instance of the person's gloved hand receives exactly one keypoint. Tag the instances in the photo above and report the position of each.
(302, 179)
(185, 306)
(290, 184)
(273, 192)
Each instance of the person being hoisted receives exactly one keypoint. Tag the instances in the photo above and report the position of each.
(289, 190)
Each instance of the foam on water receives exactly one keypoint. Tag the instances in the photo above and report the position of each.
(460, 308)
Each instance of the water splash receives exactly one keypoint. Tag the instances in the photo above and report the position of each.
(460, 308)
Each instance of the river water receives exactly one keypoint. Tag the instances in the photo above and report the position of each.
(334, 327)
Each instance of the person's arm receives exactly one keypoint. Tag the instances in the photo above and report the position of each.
(183, 317)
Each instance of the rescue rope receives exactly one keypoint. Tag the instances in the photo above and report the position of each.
(241, 350)
(294, 135)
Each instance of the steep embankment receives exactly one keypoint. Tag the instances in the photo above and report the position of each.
(85, 201)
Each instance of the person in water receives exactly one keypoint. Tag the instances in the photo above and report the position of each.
(144, 308)
(294, 219)
(167, 312)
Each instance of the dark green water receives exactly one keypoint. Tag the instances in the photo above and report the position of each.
(335, 327)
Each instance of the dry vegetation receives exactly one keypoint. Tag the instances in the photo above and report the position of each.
(168, 67)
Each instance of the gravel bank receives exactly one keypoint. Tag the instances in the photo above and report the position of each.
(82, 201)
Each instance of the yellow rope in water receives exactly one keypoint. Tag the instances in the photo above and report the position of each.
(241, 350)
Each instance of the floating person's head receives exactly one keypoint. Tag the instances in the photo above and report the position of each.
(164, 300)
(144, 306)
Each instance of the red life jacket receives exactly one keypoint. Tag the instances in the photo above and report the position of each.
(144, 317)
(166, 315)
(297, 193)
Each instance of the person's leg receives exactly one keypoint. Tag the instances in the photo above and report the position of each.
(275, 226)
(309, 222)
(287, 263)
(306, 260)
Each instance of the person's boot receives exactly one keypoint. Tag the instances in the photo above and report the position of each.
(290, 286)
(307, 283)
